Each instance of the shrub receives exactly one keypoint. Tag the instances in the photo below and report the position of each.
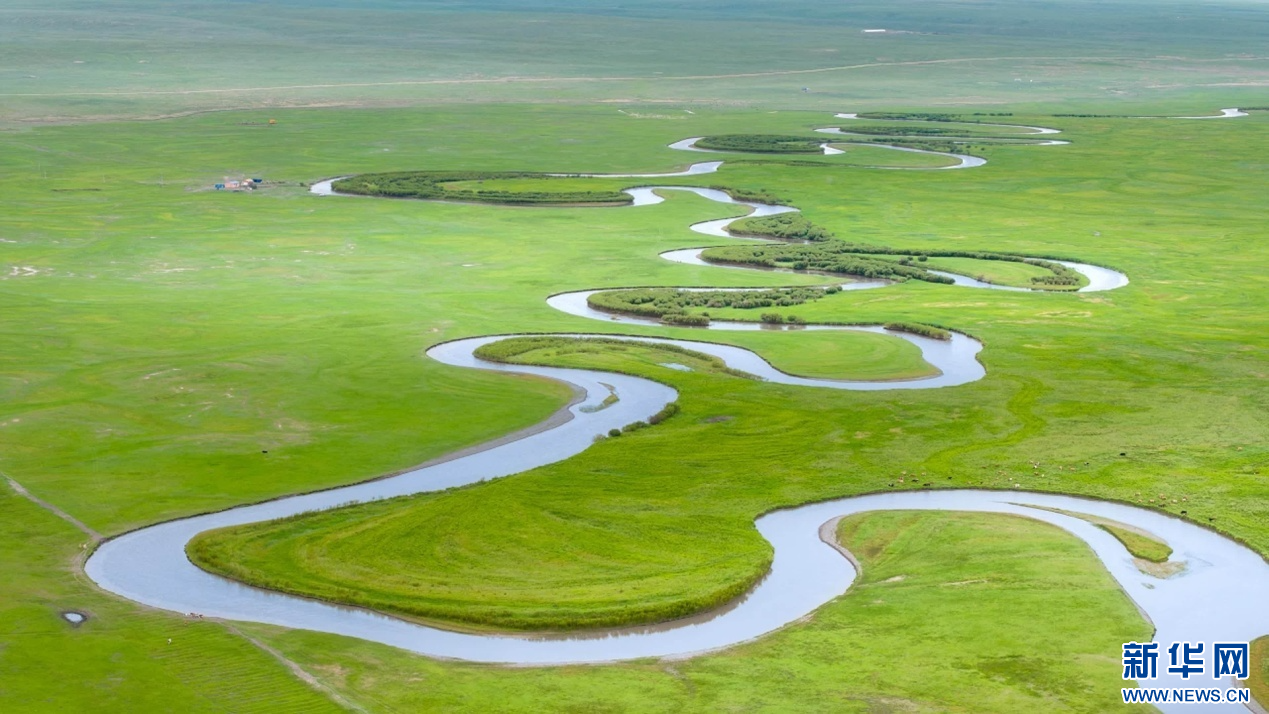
(909, 116)
(671, 305)
(909, 131)
(666, 412)
(833, 257)
(685, 320)
(752, 195)
(431, 185)
(842, 258)
(917, 328)
(782, 226)
(763, 143)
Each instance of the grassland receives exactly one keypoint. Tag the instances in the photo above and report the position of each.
(123, 657)
(822, 354)
(158, 337)
(763, 143)
(999, 272)
(1259, 680)
(1142, 545)
(71, 59)
(672, 305)
(993, 594)
(472, 186)
(827, 256)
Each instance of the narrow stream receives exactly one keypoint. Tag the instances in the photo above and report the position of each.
(1219, 594)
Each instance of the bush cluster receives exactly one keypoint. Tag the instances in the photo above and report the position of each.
(843, 258)
(1062, 275)
(752, 195)
(917, 328)
(671, 305)
(785, 226)
(431, 185)
(763, 143)
(833, 257)
(775, 318)
(666, 412)
(928, 116)
(683, 319)
(909, 131)
(909, 116)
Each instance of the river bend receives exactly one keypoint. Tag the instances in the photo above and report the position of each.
(1218, 595)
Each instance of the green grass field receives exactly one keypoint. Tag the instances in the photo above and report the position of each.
(995, 595)
(1259, 680)
(992, 271)
(292, 324)
(167, 349)
(71, 59)
(123, 657)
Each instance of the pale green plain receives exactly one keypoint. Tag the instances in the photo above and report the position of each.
(76, 59)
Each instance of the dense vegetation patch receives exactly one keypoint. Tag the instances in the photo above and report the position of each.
(843, 258)
(909, 116)
(671, 305)
(910, 131)
(917, 328)
(752, 195)
(763, 143)
(784, 226)
(930, 116)
(836, 258)
(432, 185)
(944, 146)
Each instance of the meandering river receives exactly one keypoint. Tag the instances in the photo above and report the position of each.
(1218, 595)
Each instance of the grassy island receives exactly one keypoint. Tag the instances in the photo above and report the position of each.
(469, 186)
(763, 143)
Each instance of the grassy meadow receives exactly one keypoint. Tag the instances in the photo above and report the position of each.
(67, 60)
(123, 657)
(168, 349)
(953, 612)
